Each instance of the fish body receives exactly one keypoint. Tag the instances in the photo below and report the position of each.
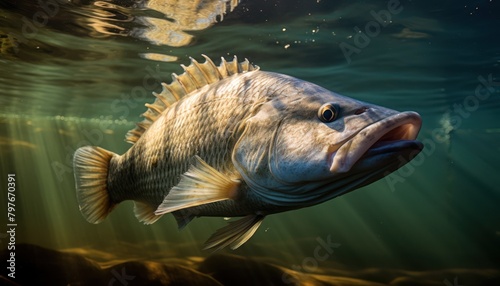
(232, 140)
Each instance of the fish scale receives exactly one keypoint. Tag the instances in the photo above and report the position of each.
(196, 127)
(234, 141)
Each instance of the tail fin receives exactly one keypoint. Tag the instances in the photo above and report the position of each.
(91, 174)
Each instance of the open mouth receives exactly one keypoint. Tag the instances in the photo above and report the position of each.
(391, 134)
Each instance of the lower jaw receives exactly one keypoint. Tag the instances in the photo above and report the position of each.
(384, 149)
(383, 154)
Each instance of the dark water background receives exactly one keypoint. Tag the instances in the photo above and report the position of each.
(79, 72)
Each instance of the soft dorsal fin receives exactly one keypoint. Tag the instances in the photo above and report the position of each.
(195, 76)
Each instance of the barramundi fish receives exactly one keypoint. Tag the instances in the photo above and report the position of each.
(234, 141)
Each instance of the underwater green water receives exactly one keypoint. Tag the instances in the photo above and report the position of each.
(83, 77)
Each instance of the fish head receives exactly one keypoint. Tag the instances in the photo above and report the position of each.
(307, 144)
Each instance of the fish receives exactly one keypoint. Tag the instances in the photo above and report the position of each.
(232, 140)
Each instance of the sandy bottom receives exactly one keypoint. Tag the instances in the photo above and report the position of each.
(35, 265)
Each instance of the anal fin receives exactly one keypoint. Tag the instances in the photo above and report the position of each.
(145, 213)
(235, 233)
(200, 185)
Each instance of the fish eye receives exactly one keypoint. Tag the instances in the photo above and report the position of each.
(327, 112)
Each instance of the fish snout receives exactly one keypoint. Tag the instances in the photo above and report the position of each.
(388, 132)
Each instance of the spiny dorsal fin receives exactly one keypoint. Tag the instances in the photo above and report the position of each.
(195, 76)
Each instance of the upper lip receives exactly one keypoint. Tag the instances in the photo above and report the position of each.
(401, 126)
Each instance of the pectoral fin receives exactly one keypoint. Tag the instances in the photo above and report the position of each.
(200, 185)
(235, 233)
